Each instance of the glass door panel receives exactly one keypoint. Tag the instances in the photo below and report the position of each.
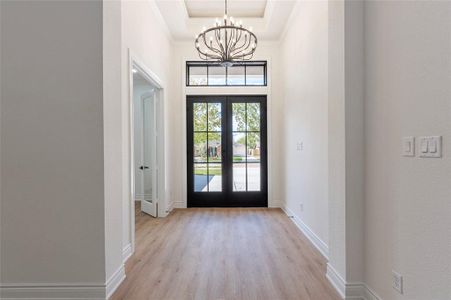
(226, 151)
(246, 124)
(205, 136)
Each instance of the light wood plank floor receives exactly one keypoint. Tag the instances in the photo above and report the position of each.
(223, 253)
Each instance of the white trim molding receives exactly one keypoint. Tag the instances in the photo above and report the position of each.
(313, 238)
(336, 280)
(139, 197)
(114, 281)
(134, 62)
(369, 294)
(127, 252)
(359, 290)
(170, 206)
(66, 291)
(180, 204)
(349, 290)
(52, 291)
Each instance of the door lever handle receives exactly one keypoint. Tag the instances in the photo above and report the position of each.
(143, 167)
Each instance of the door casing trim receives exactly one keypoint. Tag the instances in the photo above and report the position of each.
(135, 62)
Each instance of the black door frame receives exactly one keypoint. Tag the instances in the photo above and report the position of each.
(227, 198)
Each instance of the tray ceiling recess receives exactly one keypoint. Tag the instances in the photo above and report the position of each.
(215, 8)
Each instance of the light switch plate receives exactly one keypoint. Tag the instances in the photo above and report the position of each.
(430, 146)
(408, 146)
(300, 146)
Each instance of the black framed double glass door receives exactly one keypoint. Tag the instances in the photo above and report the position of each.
(227, 151)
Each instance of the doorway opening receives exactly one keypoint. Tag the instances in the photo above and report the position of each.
(227, 151)
(144, 115)
(147, 162)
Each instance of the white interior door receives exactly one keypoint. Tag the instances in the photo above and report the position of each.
(149, 203)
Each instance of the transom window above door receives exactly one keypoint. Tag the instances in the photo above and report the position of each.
(200, 73)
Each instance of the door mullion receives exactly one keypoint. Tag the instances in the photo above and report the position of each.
(245, 145)
(229, 154)
(225, 147)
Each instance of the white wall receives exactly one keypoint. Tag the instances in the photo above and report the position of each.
(268, 51)
(346, 145)
(337, 141)
(304, 73)
(354, 138)
(146, 35)
(112, 143)
(408, 93)
(52, 167)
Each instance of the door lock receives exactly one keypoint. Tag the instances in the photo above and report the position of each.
(143, 167)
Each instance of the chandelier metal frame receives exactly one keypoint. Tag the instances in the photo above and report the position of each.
(226, 43)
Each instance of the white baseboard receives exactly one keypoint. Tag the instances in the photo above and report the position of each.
(314, 239)
(336, 280)
(180, 204)
(170, 206)
(361, 291)
(274, 204)
(349, 290)
(114, 281)
(66, 291)
(126, 253)
(50, 291)
(369, 294)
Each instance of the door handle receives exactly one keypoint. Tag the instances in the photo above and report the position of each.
(143, 167)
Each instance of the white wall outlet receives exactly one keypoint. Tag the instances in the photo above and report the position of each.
(397, 282)
(408, 146)
(301, 206)
(430, 146)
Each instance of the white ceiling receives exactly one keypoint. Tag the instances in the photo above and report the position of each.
(185, 18)
(215, 8)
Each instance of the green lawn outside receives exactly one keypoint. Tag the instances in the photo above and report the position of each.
(214, 170)
(218, 159)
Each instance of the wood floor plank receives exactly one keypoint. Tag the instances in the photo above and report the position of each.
(223, 253)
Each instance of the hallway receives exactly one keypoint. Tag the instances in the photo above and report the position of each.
(214, 253)
(280, 149)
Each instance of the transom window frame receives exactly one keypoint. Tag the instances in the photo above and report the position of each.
(259, 63)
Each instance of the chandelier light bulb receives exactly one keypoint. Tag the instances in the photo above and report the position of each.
(228, 41)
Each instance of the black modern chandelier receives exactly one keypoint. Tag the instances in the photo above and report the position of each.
(226, 43)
